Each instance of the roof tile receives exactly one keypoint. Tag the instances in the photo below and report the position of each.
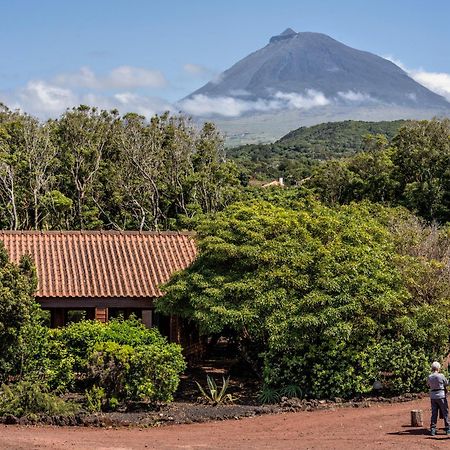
(101, 263)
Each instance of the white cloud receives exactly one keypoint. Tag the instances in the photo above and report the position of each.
(353, 96)
(146, 106)
(435, 81)
(126, 77)
(45, 100)
(438, 82)
(239, 93)
(122, 77)
(40, 97)
(310, 100)
(202, 105)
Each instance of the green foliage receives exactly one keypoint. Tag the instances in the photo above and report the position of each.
(295, 155)
(46, 360)
(25, 398)
(128, 360)
(412, 171)
(214, 394)
(93, 169)
(147, 372)
(402, 367)
(95, 397)
(110, 367)
(269, 395)
(314, 295)
(80, 338)
(18, 311)
(291, 390)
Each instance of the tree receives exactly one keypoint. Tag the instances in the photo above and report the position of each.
(83, 136)
(171, 169)
(422, 158)
(93, 169)
(313, 295)
(413, 172)
(18, 310)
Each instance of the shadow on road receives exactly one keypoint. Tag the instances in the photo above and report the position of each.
(418, 432)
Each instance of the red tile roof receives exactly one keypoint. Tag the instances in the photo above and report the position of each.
(102, 263)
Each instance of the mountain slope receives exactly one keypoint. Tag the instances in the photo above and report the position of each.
(301, 63)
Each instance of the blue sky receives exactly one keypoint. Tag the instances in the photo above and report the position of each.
(147, 55)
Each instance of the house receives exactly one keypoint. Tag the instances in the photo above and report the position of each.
(274, 183)
(103, 274)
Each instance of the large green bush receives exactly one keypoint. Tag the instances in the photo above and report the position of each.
(318, 297)
(147, 372)
(123, 357)
(126, 359)
(81, 337)
(46, 360)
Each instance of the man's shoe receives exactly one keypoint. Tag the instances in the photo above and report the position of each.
(433, 432)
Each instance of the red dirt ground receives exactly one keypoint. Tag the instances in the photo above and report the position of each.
(377, 427)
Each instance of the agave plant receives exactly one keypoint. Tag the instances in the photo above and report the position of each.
(214, 395)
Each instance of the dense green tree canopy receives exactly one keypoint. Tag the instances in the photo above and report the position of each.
(94, 169)
(319, 294)
(412, 171)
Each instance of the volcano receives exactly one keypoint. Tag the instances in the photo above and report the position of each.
(311, 75)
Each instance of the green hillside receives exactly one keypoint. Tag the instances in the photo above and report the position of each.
(297, 152)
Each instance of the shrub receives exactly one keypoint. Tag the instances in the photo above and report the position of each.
(18, 309)
(147, 372)
(128, 360)
(25, 398)
(80, 338)
(46, 360)
(109, 366)
(269, 394)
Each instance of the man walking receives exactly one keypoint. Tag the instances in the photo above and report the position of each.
(438, 395)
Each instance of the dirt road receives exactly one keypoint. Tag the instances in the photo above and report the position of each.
(377, 427)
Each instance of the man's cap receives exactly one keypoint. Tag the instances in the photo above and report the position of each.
(435, 366)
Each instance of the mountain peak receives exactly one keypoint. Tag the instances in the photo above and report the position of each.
(288, 31)
(286, 34)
